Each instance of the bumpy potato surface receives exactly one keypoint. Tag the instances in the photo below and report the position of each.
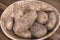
(38, 30)
(25, 34)
(29, 18)
(24, 23)
(52, 21)
(8, 22)
(42, 17)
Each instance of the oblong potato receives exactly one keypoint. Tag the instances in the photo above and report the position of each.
(34, 5)
(46, 7)
(42, 17)
(25, 22)
(25, 34)
(38, 30)
(52, 21)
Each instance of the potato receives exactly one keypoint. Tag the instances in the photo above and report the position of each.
(18, 15)
(38, 30)
(25, 22)
(46, 7)
(42, 17)
(25, 34)
(52, 21)
(8, 22)
(34, 5)
(18, 10)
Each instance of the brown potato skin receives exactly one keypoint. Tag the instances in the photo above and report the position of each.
(34, 5)
(18, 10)
(38, 30)
(8, 21)
(46, 7)
(18, 15)
(25, 22)
(25, 34)
(52, 21)
(42, 17)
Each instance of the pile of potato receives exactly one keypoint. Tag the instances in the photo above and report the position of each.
(29, 19)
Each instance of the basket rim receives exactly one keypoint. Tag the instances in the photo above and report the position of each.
(39, 38)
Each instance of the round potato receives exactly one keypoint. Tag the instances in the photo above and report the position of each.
(25, 22)
(25, 34)
(8, 22)
(52, 21)
(38, 30)
(42, 17)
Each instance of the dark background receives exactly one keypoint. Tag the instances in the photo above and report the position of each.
(55, 3)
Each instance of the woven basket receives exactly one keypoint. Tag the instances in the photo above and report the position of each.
(11, 35)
